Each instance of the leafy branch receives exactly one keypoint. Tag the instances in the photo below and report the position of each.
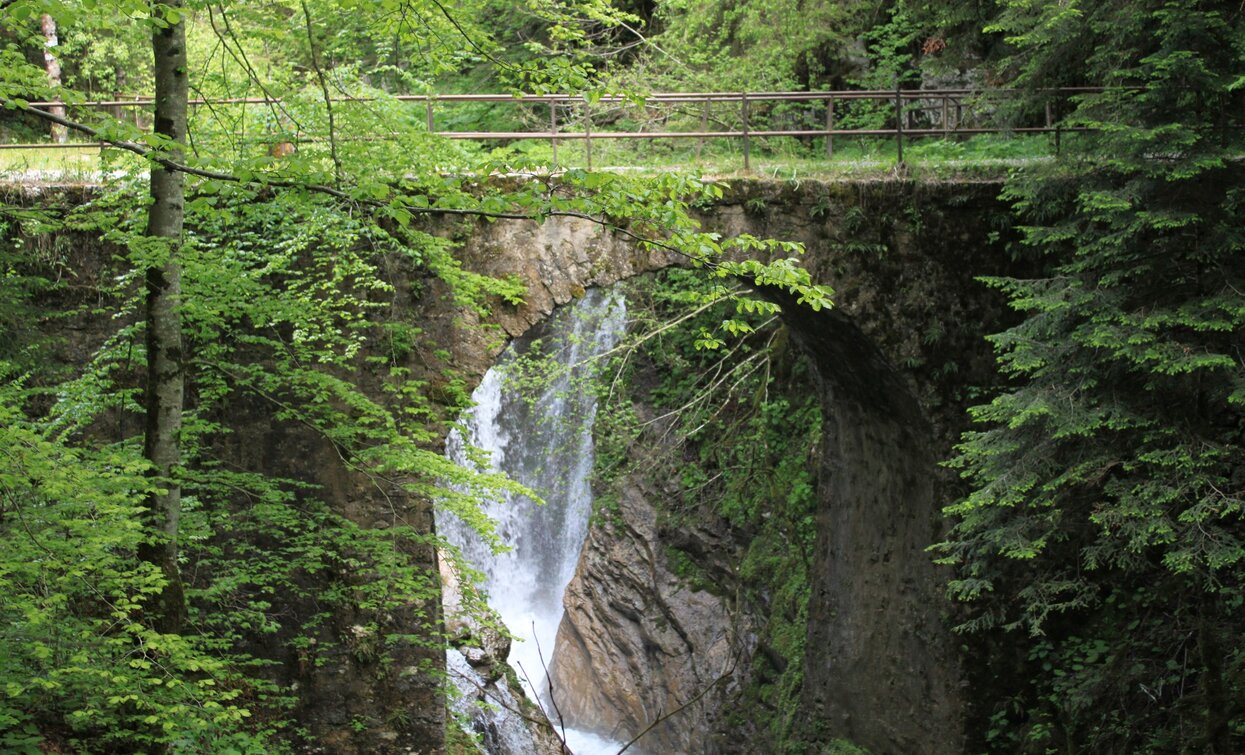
(778, 273)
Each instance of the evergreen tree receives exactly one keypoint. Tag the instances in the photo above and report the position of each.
(1101, 550)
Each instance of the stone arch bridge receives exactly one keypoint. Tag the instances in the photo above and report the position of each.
(894, 361)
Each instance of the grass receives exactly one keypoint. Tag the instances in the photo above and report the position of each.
(70, 164)
(982, 156)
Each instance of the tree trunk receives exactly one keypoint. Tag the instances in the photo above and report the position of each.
(53, 66)
(165, 369)
(119, 78)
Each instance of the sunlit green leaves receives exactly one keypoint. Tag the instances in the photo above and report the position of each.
(72, 644)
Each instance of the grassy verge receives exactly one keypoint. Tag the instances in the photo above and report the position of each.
(981, 156)
(70, 163)
(985, 155)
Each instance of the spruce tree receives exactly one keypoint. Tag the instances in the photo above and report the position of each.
(1101, 547)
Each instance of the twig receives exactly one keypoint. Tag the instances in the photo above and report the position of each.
(652, 334)
(273, 102)
(324, 90)
(499, 701)
(474, 45)
(561, 736)
(549, 681)
(650, 43)
(666, 716)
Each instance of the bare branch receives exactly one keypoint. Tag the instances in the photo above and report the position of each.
(641, 39)
(474, 45)
(665, 716)
(549, 680)
(273, 102)
(484, 692)
(324, 89)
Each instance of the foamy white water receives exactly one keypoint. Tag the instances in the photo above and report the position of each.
(543, 439)
(587, 743)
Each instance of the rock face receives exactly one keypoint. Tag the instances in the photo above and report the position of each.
(893, 364)
(489, 698)
(873, 625)
(495, 710)
(348, 695)
(637, 643)
(481, 645)
(556, 261)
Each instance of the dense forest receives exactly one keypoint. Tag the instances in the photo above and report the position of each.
(232, 306)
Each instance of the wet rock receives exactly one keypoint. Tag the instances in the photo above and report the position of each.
(494, 710)
(477, 635)
(638, 643)
(477, 657)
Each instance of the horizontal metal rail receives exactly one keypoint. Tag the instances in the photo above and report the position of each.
(657, 97)
(578, 115)
(543, 135)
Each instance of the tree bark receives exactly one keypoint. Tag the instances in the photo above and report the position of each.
(53, 66)
(165, 368)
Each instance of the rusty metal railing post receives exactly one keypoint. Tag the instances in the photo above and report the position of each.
(588, 131)
(747, 138)
(553, 129)
(704, 126)
(1058, 130)
(830, 127)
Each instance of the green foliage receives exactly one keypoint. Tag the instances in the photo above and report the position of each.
(25, 273)
(290, 268)
(281, 305)
(892, 48)
(1105, 529)
(284, 298)
(79, 667)
(770, 45)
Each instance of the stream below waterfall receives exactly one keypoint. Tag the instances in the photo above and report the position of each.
(539, 432)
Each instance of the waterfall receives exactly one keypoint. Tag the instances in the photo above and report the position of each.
(539, 432)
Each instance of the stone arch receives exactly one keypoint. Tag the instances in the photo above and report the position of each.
(881, 667)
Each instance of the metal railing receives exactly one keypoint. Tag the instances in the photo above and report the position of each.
(908, 114)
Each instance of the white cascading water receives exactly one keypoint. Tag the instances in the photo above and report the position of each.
(541, 438)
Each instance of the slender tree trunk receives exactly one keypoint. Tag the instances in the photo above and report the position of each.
(1216, 729)
(118, 73)
(53, 66)
(165, 369)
